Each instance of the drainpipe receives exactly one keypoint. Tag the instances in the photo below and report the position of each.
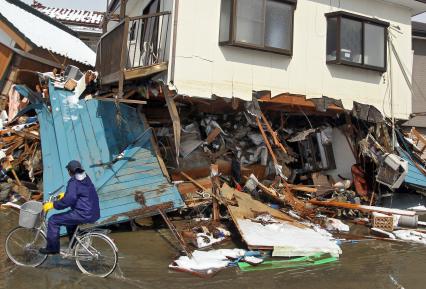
(173, 58)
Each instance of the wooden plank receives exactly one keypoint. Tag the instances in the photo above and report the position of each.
(214, 176)
(22, 43)
(273, 133)
(157, 150)
(125, 171)
(174, 114)
(87, 147)
(134, 183)
(137, 176)
(150, 15)
(145, 71)
(194, 181)
(149, 197)
(363, 208)
(121, 100)
(149, 192)
(420, 138)
(6, 55)
(91, 131)
(61, 131)
(265, 139)
(95, 122)
(111, 78)
(213, 135)
(296, 101)
(249, 208)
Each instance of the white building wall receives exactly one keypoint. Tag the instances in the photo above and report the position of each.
(203, 68)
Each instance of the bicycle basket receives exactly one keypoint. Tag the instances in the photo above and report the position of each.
(29, 214)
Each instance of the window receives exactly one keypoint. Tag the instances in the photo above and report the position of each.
(258, 24)
(356, 40)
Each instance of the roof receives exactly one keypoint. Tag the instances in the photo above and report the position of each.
(416, 6)
(71, 16)
(418, 29)
(43, 32)
(416, 121)
(117, 155)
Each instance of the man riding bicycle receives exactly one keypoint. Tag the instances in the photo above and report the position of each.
(81, 198)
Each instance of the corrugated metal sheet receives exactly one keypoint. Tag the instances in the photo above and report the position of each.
(70, 15)
(46, 35)
(114, 146)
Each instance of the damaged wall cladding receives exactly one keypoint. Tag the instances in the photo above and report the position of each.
(114, 146)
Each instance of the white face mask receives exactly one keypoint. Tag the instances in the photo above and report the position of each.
(80, 177)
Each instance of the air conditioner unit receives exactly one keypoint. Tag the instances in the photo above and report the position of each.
(392, 171)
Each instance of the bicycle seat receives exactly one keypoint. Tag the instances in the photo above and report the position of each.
(85, 228)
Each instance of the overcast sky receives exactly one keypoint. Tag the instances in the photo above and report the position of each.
(91, 5)
(420, 17)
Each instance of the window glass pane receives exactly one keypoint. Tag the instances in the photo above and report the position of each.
(374, 38)
(351, 40)
(250, 14)
(225, 20)
(331, 38)
(278, 26)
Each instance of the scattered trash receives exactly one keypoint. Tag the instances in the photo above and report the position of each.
(411, 235)
(332, 224)
(300, 262)
(206, 262)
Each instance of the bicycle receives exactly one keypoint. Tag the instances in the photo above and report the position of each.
(94, 252)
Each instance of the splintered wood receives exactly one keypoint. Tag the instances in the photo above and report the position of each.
(246, 207)
(26, 139)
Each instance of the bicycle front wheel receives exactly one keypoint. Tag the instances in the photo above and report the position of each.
(96, 255)
(23, 244)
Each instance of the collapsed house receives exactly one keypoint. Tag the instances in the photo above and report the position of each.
(279, 167)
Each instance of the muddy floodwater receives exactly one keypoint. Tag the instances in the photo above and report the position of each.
(146, 254)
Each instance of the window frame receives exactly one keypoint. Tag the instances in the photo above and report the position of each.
(364, 20)
(233, 32)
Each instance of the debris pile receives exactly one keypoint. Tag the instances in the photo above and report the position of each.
(20, 156)
(287, 183)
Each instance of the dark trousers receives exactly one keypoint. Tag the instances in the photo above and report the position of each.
(68, 219)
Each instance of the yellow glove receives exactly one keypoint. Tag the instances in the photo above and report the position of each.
(47, 206)
(61, 196)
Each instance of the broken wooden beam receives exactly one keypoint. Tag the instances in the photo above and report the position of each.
(213, 135)
(273, 133)
(194, 182)
(134, 101)
(363, 208)
(265, 139)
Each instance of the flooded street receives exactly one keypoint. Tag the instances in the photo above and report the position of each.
(146, 254)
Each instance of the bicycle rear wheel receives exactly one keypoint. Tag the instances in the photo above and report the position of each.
(22, 245)
(96, 255)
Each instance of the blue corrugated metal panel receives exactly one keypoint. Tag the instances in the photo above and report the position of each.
(114, 146)
(414, 175)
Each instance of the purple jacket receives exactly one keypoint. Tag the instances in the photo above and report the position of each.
(82, 198)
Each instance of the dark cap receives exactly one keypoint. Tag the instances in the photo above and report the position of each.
(73, 166)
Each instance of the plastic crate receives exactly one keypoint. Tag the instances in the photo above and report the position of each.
(383, 222)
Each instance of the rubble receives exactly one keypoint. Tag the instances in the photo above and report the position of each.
(283, 187)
